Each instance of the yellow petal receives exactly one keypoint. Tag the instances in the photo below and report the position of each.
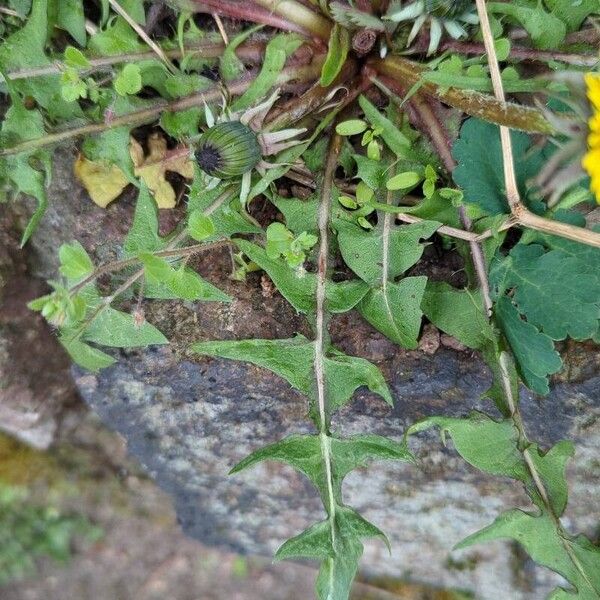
(103, 181)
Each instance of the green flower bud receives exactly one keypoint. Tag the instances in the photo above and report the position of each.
(228, 150)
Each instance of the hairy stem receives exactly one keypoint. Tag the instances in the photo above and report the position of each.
(530, 54)
(482, 106)
(147, 115)
(251, 52)
(514, 201)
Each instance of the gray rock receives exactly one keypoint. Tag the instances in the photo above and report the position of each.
(189, 420)
(189, 423)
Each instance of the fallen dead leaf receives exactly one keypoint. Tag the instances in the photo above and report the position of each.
(105, 182)
(153, 168)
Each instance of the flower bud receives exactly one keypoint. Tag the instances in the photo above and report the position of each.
(228, 150)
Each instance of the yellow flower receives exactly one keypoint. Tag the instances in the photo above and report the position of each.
(591, 160)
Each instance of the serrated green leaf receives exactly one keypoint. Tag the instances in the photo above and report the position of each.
(299, 288)
(458, 313)
(558, 293)
(488, 445)
(300, 215)
(293, 359)
(493, 447)
(118, 329)
(363, 250)
(143, 235)
(395, 309)
(396, 141)
(337, 51)
(573, 12)
(303, 452)
(75, 262)
(117, 38)
(372, 172)
(112, 146)
(547, 31)
(276, 53)
(85, 355)
(534, 351)
(547, 547)
(478, 154)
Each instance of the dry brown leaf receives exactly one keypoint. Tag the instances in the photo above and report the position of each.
(105, 182)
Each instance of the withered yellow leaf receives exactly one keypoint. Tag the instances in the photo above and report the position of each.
(153, 168)
(104, 182)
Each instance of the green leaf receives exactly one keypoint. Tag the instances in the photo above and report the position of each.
(188, 285)
(143, 235)
(351, 17)
(71, 18)
(112, 146)
(156, 269)
(396, 141)
(25, 49)
(363, 250)
(85, 355)
(547, 547)
(395, 310)
(299, 288)
(458, 313)
(573, 12)
(129, 80)
(276, 53)
(200, 226)
(293, 359)
(533, 350)
(478, 154)
(558, 293)
(546, 30)
(300, 215)
(230, 66)
(21, 125)
(75, 58)
(337, 51)
(118, 329)
(117, 38)
(404, 181)
(372, 172)
(351, 127)
(488, 445)
(75, 262)
(303, 452)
